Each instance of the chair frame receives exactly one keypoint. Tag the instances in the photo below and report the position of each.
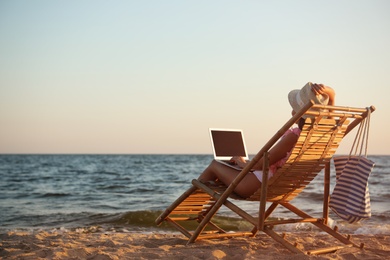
(209, 198)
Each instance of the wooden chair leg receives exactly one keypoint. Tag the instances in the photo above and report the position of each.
(320, 225)
(281, 240)
(325, 210)
(263, 195)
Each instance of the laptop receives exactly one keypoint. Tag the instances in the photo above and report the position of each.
(227, 143)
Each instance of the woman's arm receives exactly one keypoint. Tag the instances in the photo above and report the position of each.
(276, 153)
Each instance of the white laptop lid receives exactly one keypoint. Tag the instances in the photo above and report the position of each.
(227, 143)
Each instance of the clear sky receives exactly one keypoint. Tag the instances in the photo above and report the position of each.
(153, 76)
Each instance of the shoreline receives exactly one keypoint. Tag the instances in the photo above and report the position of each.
(64, 244)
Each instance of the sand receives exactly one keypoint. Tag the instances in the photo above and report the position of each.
(59, 244)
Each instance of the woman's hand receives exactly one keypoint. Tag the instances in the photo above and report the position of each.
(238, 160)
(318, 89)
(321, 89)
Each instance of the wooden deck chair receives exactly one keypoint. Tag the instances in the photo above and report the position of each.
(320, 137)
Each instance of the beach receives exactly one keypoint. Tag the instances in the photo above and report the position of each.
(63, 244)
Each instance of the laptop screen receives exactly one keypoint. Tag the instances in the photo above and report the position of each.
(227, 143)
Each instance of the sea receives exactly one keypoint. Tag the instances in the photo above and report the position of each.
(126, 193)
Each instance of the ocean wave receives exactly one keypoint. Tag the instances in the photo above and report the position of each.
(54, 194)
(144, 221)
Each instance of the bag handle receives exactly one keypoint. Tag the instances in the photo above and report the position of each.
(361, 138)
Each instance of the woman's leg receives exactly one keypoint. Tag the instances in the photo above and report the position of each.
(217, 171)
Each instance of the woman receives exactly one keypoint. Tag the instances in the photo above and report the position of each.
(279, 154)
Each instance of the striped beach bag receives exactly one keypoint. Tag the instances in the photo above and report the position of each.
(350, 199)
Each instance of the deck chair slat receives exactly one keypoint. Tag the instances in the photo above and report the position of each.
(193, 206)
(187, 212)
(192, 202)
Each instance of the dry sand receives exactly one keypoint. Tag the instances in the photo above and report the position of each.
(105, 245)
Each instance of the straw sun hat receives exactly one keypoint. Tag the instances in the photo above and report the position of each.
(300, 97)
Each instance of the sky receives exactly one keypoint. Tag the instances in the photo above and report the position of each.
(151, 77)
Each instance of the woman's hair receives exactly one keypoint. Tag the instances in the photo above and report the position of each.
(301, 122)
